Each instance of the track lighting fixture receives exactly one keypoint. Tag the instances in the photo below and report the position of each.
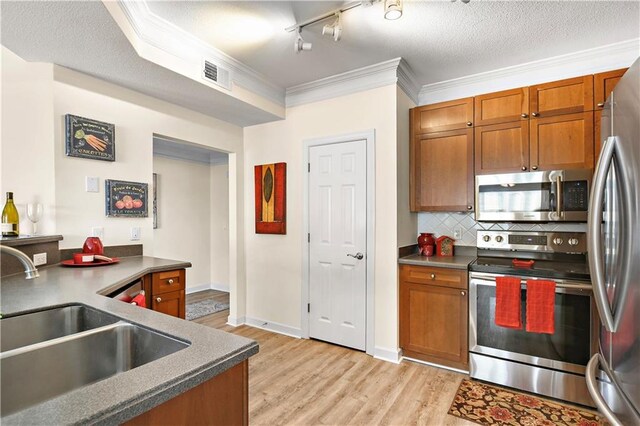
(299, 45)
(392, 9)
(335, 29)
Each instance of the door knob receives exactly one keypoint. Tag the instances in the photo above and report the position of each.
(358, 256)
(524, 168)
(523, 115)
(462, 293)
(600, 104)
(535, 114)
(158, 299)
(469, 207)
(534, 167)
(170, 281)
(469, 124)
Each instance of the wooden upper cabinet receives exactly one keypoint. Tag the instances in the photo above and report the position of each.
(502, 107)
(561, 97)
(443, 116)
(442, 171)
(502, 148)
(562, 142)
(603, 85)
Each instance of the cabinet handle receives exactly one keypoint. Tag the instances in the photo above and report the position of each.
(524, 168)
(469, 124)
(158, 299)
(433, 276)
(534, 167)
(523, 115)
(462, 293)
(600, 104)
(469, 207)
(170, 281)
(535, 114)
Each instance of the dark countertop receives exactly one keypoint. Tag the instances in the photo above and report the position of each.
(22, 240)
(463, 257)
(125, 395)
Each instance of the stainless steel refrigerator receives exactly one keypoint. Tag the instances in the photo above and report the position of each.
(613, 374)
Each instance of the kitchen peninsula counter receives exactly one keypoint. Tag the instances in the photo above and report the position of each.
(126, 395)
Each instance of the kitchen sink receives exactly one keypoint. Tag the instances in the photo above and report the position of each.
(40, 326)
(34, 373)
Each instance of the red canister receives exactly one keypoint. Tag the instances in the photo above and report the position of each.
(426, 244)
(93, 245)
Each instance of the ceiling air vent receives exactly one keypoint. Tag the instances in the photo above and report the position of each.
(214, 74)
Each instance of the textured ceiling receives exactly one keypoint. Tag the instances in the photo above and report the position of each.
(83, 36)
(440, 40)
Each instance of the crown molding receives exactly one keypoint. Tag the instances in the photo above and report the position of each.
(172, 39)
(590, 61)
(366, 78)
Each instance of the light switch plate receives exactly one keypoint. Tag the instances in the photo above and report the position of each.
(91, 184)
(40, 259)
(135, 233)
(97, 231)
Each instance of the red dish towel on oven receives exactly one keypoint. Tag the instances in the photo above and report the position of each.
(508, 306)
(541, 296)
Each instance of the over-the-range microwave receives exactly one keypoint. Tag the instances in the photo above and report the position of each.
(546, 196)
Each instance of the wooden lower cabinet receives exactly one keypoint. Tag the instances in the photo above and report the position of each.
(222, 400)
(434, 315)
(171, 303)
(166, 292)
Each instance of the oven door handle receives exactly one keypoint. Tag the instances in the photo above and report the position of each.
(478, 278)
(594, 235)
(592, 386)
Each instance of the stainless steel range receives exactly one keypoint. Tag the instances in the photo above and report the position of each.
(547, 364)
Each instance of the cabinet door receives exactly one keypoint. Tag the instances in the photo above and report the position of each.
(171, 303)
(434, 324)
(443, 116)
(562, 142)
(603, 85)
(502, 148)
(502, 107)
(562, 97)
(443, 171)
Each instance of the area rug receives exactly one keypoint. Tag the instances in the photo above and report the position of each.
(204, 307)
(489, 405)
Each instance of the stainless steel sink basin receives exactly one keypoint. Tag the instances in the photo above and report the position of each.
(37, 327)
(35, 373)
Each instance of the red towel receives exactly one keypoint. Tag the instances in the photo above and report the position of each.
(508, 306)
(541, 296)
(140, 300)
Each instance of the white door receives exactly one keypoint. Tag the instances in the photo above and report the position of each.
(337, 243)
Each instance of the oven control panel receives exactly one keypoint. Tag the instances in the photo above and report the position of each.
(557, 242)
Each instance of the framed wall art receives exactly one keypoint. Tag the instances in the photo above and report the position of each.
(86, 138)
(126, 199)
(271, 198)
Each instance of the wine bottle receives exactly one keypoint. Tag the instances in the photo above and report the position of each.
(10, 218)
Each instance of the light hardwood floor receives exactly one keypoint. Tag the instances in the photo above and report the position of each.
(308, 382)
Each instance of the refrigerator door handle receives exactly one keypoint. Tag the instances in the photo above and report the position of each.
(592, 386)
(594, 234)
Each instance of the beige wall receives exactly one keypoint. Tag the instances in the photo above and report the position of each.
(274, 262)
(27, 140)
(407, 221)
(219, 217)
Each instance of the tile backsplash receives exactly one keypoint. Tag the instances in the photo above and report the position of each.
(446, 223)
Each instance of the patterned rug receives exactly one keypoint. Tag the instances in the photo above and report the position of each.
(489, 405)
(204, 307)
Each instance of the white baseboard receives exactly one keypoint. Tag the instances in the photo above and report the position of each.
(274, 327)
(210, 286)
(431, 364)
(387, 354)
(235, 321)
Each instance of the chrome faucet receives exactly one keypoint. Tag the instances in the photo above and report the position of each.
(29, 268)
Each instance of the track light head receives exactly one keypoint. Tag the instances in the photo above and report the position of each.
(299, 45)
(334, 30)
(392, 9)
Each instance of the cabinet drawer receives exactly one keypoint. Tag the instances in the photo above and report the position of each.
(164, 282)
(453, 278)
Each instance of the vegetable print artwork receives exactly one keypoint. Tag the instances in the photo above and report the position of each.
(271, 196)
(126, 199)
(86, 138)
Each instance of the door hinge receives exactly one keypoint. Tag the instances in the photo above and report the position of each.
(308, 167)
(308, 307)
(308, 238)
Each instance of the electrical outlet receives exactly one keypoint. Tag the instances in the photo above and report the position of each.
(91, 184)
(135, 233)
(40, 259)
(97, 231)
(457, 233)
